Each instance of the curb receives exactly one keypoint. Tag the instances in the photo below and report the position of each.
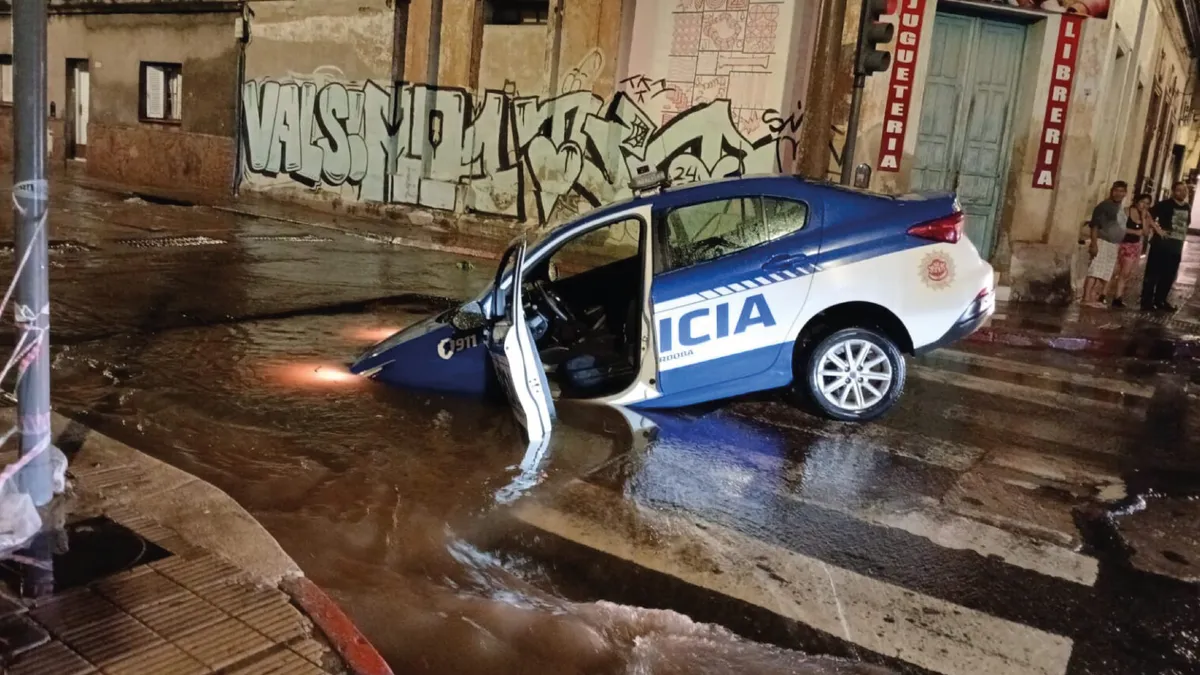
(484, 254)
(343, 635)
(1155, 348)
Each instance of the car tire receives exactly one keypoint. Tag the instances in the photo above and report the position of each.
(871, 374)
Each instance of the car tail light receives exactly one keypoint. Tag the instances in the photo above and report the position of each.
(948, 229)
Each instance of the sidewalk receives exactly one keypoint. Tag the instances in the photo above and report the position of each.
(155, 571)
(1111, 332)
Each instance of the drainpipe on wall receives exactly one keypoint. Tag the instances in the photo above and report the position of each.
(243, 38)
(1126, 109)
(816, 135)
(433, 63)
(554, 48)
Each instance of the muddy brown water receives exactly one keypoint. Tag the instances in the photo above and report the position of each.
(378, 494)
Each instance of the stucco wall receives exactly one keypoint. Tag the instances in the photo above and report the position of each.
(738, 52)
(555, 146)
(350, 38)
(513, 58)
(198, 153)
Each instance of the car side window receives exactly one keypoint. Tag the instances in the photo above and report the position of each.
(698, 233)
(606, 245)
(784, 216)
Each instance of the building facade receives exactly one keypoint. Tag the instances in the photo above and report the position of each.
(523, 113)
(528, 110)
(1030, 115)
(118, 104)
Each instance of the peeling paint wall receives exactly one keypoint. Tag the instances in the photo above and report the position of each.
(688, 52)
(512, 139)
(352, 38)
(197, 154)
(513, 59)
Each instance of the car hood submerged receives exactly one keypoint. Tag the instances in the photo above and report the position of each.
(432, 355)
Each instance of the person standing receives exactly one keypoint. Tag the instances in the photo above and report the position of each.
(1108, 231)
(1139, 224)
(1172, 217)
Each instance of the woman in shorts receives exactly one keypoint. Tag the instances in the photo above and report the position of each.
(1130, 249)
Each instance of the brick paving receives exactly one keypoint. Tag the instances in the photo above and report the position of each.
(140, 585)
(189, 613)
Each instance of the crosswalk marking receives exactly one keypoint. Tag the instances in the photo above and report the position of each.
(1055, 399)
(1089, 438)
(777, 523)
(919, 516)
(887, 619)
(958, 532)
(873, 438)
(1046, 372)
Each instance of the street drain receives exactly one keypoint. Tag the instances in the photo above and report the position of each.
(172, 242)
(306, 238)
(95, 548)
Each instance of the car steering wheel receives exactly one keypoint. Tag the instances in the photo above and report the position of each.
(554, 302)
(711, 243)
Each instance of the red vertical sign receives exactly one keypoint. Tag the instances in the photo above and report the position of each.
(1045, 173)
(904, 66)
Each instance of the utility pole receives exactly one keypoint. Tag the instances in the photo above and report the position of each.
(816, 133)
(30, 209)
(868, 60)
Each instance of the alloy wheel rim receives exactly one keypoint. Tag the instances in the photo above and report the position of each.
(854, 375)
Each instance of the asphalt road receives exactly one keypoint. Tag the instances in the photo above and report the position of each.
(1019, 512)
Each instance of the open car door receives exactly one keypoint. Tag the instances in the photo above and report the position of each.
(514, 354)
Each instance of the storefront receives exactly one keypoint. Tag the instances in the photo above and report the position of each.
(1028, 113)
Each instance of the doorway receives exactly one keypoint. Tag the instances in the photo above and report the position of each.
(965, 136)
(78, 95)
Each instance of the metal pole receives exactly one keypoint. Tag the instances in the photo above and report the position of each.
(30, 194)
(852, 129)
(239, 121)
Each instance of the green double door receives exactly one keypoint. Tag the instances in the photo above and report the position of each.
(964, 139)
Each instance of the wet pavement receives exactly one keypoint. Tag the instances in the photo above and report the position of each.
(1106, 330)
(1019, 512)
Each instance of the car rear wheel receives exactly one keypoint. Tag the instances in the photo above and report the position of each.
(855, 374)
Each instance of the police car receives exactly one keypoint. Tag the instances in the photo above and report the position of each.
(682, 295)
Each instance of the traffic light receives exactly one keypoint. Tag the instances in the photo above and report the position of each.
(872, 34)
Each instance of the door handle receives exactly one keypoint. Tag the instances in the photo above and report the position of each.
(783, 261)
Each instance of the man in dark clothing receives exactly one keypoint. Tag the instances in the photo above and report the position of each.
(1172, 218)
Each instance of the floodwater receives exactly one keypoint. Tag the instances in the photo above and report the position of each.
(228, 361)
(381, 495)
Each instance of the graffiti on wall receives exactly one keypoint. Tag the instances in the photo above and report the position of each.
(494, 153)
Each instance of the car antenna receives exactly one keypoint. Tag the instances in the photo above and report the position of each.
(648, 180)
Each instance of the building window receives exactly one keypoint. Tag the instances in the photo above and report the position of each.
(516, 12)
(162, 92)
(6, 79)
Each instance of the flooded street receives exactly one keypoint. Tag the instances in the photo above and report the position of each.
(1019, 512)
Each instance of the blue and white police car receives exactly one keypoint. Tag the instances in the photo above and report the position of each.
(688, 294)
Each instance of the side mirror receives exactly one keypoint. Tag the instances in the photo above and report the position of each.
(468, 319)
